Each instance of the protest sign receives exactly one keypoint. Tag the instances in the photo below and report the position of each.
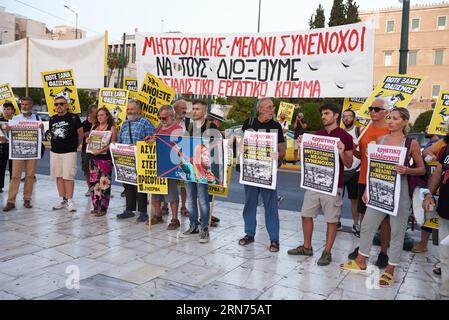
(320, 164)
(25, 140)
(288, 109)
(60, 83)
(219, 191)
(433, 223)
(190, 159)
(130, 84)
(124, 159)
(153, 94)
(6, 95)
(257, 166)
(98, 141)
(397, 90)
(440, 119)
(383, 181)
(354, 104)
(116, 101)
(147, 180)
(327, 62)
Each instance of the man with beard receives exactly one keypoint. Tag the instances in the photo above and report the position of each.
(352, 174)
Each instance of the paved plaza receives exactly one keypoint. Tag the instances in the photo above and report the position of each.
(42, 251)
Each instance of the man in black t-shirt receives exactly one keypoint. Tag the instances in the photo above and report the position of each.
(440, 179)
(263, 123)
(66, 133)
(87, 127)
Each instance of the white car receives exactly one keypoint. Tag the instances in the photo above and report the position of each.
(45, 118)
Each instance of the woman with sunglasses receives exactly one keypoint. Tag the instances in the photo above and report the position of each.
(398, 126)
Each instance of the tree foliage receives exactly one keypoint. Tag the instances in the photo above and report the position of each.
(337, 17)
(318, 20)
(422, 121)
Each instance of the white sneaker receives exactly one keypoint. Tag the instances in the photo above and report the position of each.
(71, 206)
(60, 205)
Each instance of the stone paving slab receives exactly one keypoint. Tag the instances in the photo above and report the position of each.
(40, 249)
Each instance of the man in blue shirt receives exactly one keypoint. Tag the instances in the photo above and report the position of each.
(135, 129)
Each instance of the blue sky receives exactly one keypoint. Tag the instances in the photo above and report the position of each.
(189, 16)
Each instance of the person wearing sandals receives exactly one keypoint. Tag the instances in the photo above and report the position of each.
(263, 123)
(167, 127)
(440, 179)
(330, 205)
(398, 126)
(100, 164)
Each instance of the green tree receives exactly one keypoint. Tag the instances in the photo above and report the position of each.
(85, 99)
(337, 17)
(351, 12)
(115, 61)
(318, 20)
(312, 115)
(422, 121)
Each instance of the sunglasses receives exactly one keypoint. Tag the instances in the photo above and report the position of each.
(163, 119)
(60, 104)
(375, 109)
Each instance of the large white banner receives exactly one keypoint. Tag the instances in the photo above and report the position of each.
(328, 62)
(383, 181)
(86, 57)
(13, 63)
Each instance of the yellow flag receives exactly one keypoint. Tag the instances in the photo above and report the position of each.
(396, 89)
(288, 109)
(130, 84)
(440, 119)
(60, 83)
(116, 101)
(6, 95)
(147, 180)
(153, 94)
(354, 104)
(216, 190)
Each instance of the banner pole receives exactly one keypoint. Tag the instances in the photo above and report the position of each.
(150, 211)
(27, 65)
(106, 57)
(211, 211)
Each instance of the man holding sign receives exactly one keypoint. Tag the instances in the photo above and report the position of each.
(315, 200)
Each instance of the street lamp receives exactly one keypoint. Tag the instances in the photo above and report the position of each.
(76, 14)
(1, 36)
(403, 52)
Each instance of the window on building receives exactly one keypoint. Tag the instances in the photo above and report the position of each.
(412, 58)
(388, 58)
(415, 24)
(436, 88)
(439, 55)
(442, 23)
(390, 26)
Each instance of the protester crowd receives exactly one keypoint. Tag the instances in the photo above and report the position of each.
(67, 133)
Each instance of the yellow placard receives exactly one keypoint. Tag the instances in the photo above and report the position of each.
(147, 180)
(6, 95)
(396, 89)
(130, 84)
(116, 101)
(354, 104)
(60, 83)
(440, 119)
(288, 109)
(153, 94)
(215, 190)
(432, 223)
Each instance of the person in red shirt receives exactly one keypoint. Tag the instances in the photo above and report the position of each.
(331, 205)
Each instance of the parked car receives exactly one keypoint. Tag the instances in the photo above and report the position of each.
(45, 118)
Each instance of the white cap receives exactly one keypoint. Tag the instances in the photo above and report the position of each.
(216, 112)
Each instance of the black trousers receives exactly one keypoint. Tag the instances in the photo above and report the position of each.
(133, 198)
(4, 161)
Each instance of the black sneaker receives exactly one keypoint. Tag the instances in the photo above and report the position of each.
(143, 217)
(190, 232)
(125, 215)
(215, 219)
(123, 194)
(356, 230)
(354, 254)
(382, 261)
(339, 226)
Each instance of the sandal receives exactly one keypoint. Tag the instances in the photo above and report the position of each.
(246, 240)
(156, 220)
(100, 213)
(386, 280)
(174, 224)
(274, 246)
(352, 266)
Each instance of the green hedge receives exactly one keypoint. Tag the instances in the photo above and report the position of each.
(422, 121)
